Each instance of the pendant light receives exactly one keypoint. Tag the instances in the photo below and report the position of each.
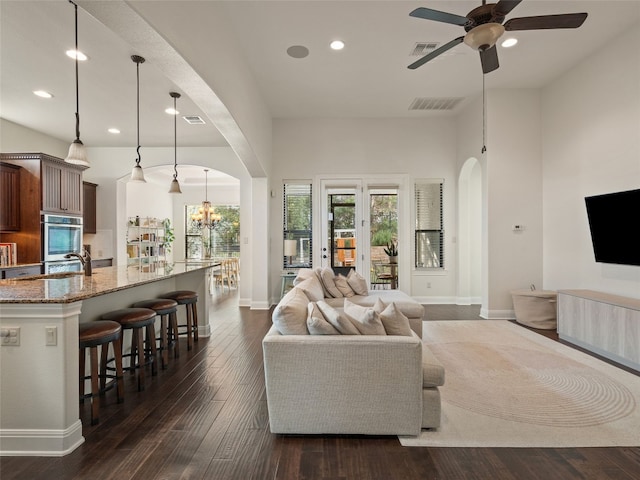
(137, 175)
(77, 151)
(175, 186)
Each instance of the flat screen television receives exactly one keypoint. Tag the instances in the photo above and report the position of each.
(614, 221)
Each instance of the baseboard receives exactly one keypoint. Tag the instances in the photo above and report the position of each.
(260, 305)
(41, 443)
(244, 302)
(436, 300)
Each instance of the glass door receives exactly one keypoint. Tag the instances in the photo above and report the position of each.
(383, 233)
(342, 227)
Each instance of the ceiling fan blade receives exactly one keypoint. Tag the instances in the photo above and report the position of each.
(503, 7)
(436, 52)
(567, 20)
(429, 14)
(489, 59)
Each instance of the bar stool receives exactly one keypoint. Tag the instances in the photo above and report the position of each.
(165, 308)
(91, 335)
(136, 320)
(189, 299)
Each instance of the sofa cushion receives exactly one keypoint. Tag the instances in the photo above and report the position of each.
(290, 315)
(343, 285)
(357, 283)
(317, 324)
(432, 369)
(394, 321)
(365, 319)
(312, 288)
(407, 305)
(339, 320)
(328, 282)
(302, 275)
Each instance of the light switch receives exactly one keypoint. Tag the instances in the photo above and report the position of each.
(52, 336)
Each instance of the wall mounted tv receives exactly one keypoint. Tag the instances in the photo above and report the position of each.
(614, 221)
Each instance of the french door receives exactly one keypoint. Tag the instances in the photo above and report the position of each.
(357, 223)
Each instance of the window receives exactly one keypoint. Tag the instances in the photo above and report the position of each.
(297, 225)
(222, 241)
(429, 234)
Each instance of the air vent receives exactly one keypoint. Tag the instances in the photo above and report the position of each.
(194, 120)
(423, 48)
(433, 103)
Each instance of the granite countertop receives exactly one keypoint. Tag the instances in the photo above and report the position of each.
(76, 287)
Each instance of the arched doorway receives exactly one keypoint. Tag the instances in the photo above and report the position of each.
(469, 287)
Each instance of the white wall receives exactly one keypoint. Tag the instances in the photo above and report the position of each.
(591, 140)
(15, 138)
(421, 148)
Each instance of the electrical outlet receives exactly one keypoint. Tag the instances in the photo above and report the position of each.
(10, 336)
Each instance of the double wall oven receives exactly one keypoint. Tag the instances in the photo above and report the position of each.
(61, 235)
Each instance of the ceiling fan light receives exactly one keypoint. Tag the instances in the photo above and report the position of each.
(484, 36)
(77, 154)
(509, 42)
(137, 175)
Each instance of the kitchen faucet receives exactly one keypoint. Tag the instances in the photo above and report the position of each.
(85, 260)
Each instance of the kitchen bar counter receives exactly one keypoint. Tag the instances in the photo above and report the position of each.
(75, 287)
(39, 320)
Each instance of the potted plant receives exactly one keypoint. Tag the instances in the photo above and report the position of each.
(392, 251)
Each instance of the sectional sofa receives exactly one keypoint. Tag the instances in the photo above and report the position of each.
(354, 364)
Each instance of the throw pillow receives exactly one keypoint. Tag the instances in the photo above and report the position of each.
(338, 319)
(327, 276)
(365, 319)
(343, 286)
(394, 321)
(379, 306)
(290, 315)
(312, 288)
(316, 322)
(325, 292)
(302, 275)
(357, 283)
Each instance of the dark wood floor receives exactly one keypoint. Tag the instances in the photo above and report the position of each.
(205, 417)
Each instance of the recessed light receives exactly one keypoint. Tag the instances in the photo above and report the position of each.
(509, 42)
(76, 53)
(115, 131)
(337, 45)
(171, 111)
(42, 94)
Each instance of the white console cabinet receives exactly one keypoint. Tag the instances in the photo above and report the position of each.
(606, 324)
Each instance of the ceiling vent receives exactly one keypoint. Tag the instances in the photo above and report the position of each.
(423, 48)
(194, 120)
(434, 103)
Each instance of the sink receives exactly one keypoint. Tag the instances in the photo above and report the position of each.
(50, 276)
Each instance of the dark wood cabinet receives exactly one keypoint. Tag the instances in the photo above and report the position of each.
(9, 197)
(61, 188)
(89, 207)
(47, 185)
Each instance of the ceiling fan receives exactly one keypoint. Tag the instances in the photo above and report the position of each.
(484, 27)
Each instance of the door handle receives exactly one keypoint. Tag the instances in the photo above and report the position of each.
(324, 256)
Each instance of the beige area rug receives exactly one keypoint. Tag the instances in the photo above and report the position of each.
(506, 386)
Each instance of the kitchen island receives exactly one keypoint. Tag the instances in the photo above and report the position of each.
(39, 317)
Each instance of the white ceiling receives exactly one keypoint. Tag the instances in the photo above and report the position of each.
(369, 78)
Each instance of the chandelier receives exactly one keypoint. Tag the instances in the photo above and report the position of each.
(206, 216)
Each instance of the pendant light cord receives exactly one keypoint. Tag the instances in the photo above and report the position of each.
(175, 138)
(77, 88)
(484, 118)
(138, 111)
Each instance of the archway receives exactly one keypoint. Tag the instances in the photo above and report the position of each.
(469, 286)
